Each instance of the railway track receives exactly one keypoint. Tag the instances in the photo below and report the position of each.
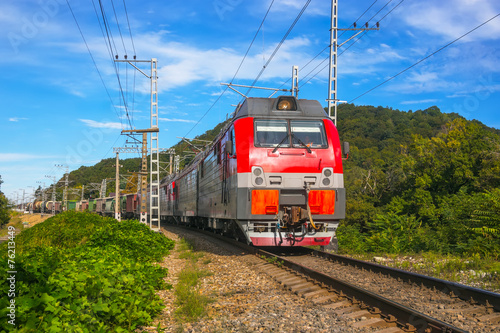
(309, 275)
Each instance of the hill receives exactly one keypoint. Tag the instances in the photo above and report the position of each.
(420, 181)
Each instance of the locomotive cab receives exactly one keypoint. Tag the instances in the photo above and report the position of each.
(293, 173)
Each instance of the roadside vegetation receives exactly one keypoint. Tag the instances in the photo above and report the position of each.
(80, 272)
(190, 301)
(423, 184)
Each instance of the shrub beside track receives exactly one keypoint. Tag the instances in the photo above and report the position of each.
(84, 273)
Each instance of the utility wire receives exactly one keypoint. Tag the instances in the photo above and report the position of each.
(133, 47)
(108, 33)
(363, 34)
(129, 30)
(425, 58)
(278, 46)
(93, 60)
(236, 73)
(118, 25)
(360, 16)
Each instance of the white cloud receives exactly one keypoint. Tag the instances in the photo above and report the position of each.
(16, 119)
(188, 64)
(177, 120)
(105, 124)
(437, 18)
(16, 157)
(420, 101)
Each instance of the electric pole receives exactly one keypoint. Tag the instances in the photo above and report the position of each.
(53, 194)
(65, 192)
(117, 189)
(42, 205)
(154, 170)
(332, 79)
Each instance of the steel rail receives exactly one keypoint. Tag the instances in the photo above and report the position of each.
(466, 293)
(391, 311)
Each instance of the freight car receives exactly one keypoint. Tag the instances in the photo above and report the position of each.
(273, 177)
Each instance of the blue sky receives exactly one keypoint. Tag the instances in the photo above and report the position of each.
(56, 110)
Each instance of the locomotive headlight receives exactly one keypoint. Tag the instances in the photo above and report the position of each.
(327, 177)
(258, 178)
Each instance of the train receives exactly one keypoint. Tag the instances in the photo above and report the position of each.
(273, 177)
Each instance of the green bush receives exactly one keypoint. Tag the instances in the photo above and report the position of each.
(350, 239)
(96, 278)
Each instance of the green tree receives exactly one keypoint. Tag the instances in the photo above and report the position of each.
(4, 210)
(486, 219)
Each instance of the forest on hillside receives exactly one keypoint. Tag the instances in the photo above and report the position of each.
(416, 181)
(419, 181)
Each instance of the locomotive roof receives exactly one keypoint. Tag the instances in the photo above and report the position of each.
(268, 107)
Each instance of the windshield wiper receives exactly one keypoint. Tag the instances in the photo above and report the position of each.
(279, 144)
(302, 143)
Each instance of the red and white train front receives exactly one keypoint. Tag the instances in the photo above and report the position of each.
(290, 187)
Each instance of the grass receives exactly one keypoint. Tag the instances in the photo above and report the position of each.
(474, 270)
(192, 304)
(15, 221)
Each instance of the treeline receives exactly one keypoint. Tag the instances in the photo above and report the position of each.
(105, 169)
(419, 181)
(416, 181)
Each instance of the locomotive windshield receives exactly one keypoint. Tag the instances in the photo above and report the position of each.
(270, 133)
(312, 133)
(295, 133)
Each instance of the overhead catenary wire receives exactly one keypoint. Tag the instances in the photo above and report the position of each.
(425, 58)
(118, 25)
(133, 48)
(324, 49)
(279, 46)
(363, 34)
(93, 60)
(237, 70)
(111, 42)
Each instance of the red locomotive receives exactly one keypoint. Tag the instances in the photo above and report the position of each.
(273, 177)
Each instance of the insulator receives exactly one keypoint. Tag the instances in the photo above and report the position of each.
(125, 57)
(366, 24)
(116, 57)
(378, 24)
(355, 24)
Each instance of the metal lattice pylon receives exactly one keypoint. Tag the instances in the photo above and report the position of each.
(154, 178)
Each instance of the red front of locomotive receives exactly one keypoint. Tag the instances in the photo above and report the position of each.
(289, 172)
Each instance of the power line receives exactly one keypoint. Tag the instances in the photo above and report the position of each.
(355, 41)
(93, 60)
(236, 73)
(425, 58)
(279, 45)
(360, 16)
(118, 25)
(130, 30)
(110, 39)
(133, 47)
(362, 35)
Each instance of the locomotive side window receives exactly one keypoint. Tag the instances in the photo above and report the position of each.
(310, 133)
(270, 133)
